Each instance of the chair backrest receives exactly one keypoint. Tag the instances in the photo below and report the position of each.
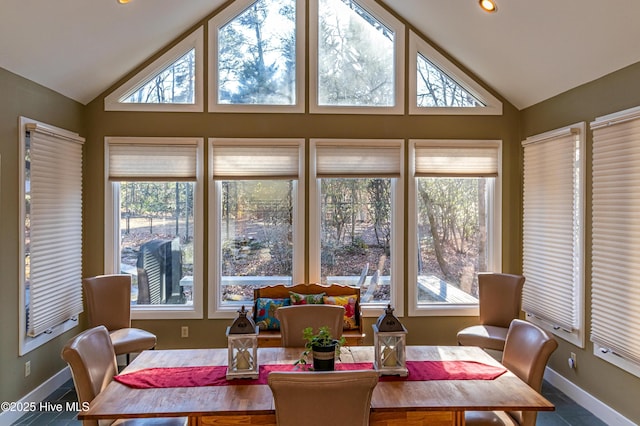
(108, 299)
(526, 353)
(294, 319)
(92, 361)
(301, 397)
(500, 298)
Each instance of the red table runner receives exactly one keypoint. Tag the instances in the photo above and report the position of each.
(173, 377)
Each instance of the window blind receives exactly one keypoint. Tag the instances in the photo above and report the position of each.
(453, 158)
(152, 159)
(358, 158)
(55, 269)
(552, 259)
(615, 293)
(250, 159)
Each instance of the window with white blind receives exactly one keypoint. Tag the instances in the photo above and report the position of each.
(454, 223)
(356, 227)
(615, 292)
(51, 220)
(553, 226)
(256, 219)
(153, 222)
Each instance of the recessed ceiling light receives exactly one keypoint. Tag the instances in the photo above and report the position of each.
(123, 1)
(488, 5)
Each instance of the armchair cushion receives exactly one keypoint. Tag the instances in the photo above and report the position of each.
(349, 304)
(266, 312)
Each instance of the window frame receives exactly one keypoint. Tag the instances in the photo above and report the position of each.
(223, 18)
(494, 234)
(417, 45)
(397, 226)
(216, 309)
(577, 336)
(391, 22)
(112, 232)
(195, 41)
(27, 343)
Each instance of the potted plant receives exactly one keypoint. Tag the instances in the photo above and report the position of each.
(323, 347)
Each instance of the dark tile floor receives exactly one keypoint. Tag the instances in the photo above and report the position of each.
(567, 411)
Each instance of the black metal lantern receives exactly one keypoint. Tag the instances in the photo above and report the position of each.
(242, 338)
(389, 341)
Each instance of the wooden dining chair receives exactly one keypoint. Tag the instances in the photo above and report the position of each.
(301, 397)
(108, 299)
(294, 319)
(92, 361)
(526, 353)
(500, 301)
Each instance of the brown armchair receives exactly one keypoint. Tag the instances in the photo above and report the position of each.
(346, 394)
(526, 353)
(92, 361)
(294, 319)
(500, 303)
(108, 299)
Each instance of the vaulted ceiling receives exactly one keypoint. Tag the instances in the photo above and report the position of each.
(528, 51)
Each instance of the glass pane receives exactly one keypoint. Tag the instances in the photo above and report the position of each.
(452, 238)
(27, 227)
(156, 241)
(174, 85)
(257, 55)
(256, 236)
(436, 89)
(355, 56)
(356, 235)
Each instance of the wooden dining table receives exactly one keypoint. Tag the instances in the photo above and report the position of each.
(396, 402)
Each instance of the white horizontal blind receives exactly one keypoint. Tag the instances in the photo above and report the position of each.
(615, 292)
(56, 228)
(551, 234)
(248, 160)
(149, 159)
(358, 158)
(453, 158)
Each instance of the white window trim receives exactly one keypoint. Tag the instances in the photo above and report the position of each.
(216, 308)
(193, 41)
(224, 17)
(577, 336)
(397, 230)
(112, 233)
(417, 45)
(387, 19)
(26, 343)
(494, 245)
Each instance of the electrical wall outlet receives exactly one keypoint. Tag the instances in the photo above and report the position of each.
(184, 331)
(573, 363)
(27, 368)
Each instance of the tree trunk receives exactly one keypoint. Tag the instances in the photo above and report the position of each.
(437, 244)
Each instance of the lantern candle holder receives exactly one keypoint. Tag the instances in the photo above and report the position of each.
(389, 341)
(242, 338)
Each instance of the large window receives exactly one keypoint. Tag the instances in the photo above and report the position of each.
(553, 224)
(51, 221)
(356, 211)
(454, 223)
(154, 215)
(256, 216)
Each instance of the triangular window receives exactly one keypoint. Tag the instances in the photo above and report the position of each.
(172, 82)
(437, 86)
(256, 57)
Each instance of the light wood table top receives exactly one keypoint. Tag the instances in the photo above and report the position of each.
(507, 392)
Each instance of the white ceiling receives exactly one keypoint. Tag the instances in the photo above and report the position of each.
(528, 51)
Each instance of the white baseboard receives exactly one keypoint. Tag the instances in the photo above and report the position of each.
(586, 400)
(37, 395)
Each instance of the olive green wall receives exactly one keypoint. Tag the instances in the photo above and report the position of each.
(612, 93)
(20, 97)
